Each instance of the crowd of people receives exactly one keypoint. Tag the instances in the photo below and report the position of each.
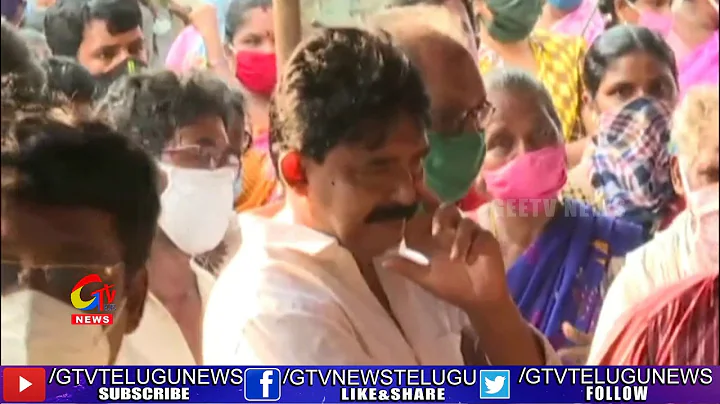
(446, 182)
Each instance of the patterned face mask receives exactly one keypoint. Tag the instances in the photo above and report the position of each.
(631, 162)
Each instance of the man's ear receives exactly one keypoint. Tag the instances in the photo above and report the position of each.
(676, 177)
(292, 171)
(136, 293)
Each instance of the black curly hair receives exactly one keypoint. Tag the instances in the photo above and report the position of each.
(150, 107)
(335, 85)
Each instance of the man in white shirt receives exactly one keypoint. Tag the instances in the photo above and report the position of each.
(183, 122)
(322, 278)
(62, 227)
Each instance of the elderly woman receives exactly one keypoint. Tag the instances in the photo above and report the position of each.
(667, 258)
(507, 39)
(559, 254)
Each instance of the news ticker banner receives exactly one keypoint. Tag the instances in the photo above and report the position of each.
(205, 384)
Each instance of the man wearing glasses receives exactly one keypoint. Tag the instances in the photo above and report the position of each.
(359, 265)
(184, 123)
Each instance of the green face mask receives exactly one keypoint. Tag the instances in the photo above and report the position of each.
(513, 20)
(453, 163)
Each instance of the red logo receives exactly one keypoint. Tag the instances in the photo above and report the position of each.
(23, 385)
(103, 300)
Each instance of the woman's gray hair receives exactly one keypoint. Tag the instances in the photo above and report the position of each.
(518, 80)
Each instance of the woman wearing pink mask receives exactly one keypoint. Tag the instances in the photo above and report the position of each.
(250, 40)
(559, 254)
(653, 14)
(694, 38)
(572, 17)
(689, 26)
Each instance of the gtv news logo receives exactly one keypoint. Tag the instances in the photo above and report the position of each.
(262, 384)
(102, 301)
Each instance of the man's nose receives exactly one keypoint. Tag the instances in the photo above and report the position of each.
(406, 190)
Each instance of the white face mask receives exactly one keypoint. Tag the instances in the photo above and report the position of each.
(36, 330)
(196, 206)
(682, 164)
(697, 199)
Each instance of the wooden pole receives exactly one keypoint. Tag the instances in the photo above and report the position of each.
(288, 29)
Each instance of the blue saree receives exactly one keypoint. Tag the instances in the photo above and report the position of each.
(560, 276)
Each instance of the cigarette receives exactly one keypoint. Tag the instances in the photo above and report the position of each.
(410, 254)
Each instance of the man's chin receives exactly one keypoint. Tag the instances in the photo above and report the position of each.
(383, 236)
(374, 239)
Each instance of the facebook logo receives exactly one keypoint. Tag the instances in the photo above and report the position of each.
(495, 384)
(262, 384)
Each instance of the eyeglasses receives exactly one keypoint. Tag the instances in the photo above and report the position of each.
(197, 156)
(52, 277)
(476, 118)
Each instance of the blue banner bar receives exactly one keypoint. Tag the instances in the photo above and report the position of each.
(206, 384)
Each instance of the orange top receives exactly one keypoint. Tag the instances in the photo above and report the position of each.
(260, 185)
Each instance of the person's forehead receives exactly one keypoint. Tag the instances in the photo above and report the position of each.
(451, 77)
(59, 234)
(637, 66)
(511, 105)
(403, 135)
(96, 34)
(653, 3)
(259, 17)
(211, 126)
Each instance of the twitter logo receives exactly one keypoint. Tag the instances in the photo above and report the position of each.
(495, 384)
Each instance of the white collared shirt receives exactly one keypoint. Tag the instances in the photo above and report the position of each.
(158, 339)
(294, 296)
(662, 261)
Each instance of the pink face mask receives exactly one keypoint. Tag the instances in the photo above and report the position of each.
(659, 22)
(539, 174)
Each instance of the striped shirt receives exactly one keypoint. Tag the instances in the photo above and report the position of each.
(676, 326)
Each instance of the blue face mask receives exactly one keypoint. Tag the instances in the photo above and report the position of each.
(565, 5)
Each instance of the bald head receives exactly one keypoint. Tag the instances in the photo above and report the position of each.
(422, 17)
(696, 135)
(695, 123)
(432, 41)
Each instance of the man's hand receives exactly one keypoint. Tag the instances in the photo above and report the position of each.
(466, 266)
(179, 11)
(466, 269)
(578, 354)
(204, 19)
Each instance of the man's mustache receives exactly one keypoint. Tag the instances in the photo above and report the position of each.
(392, 213)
